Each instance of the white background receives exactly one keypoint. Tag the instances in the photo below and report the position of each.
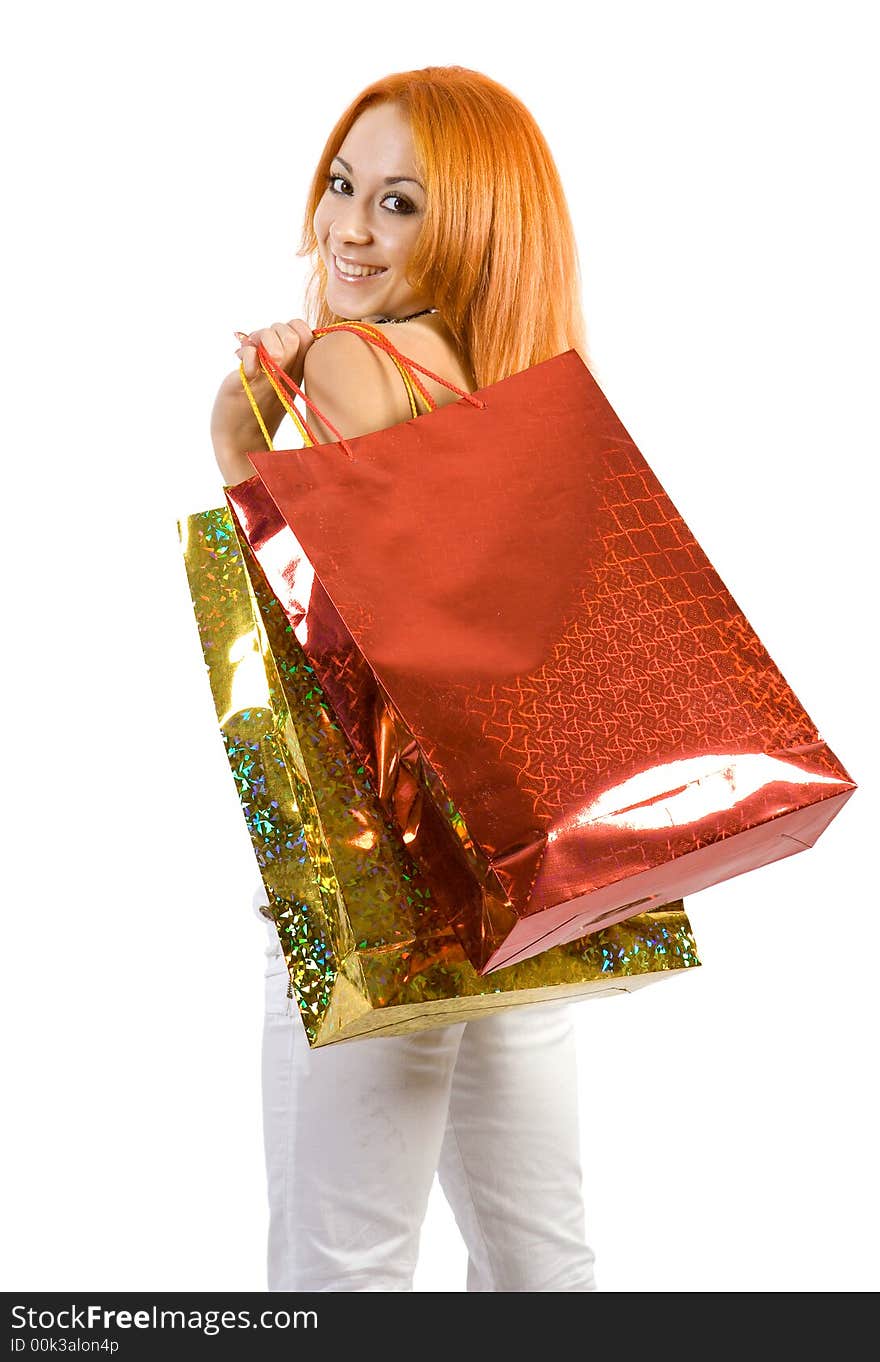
(720, 165)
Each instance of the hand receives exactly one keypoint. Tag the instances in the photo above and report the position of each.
(234, 428)
(285, 342)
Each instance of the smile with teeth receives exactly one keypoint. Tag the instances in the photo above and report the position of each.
(351, 272)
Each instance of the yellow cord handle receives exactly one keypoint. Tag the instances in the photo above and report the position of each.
(283, 399)
(308, 442)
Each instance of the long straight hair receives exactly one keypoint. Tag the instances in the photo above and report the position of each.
(496, 253)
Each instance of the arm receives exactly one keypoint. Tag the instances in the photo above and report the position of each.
(234, 428)
(233, 466)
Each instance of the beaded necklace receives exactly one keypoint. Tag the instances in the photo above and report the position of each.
(405, 319)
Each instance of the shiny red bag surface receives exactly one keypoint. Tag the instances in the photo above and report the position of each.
(557, 697)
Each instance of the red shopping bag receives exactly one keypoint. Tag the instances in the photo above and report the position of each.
(561, 704)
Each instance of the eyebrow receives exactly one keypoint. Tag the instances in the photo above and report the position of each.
(389, 179)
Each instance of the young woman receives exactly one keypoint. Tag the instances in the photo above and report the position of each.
(437, 214)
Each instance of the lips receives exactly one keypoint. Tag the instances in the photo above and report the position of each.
(367, 264)
(375, 270)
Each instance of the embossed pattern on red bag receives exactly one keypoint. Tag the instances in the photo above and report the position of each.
(656, 660)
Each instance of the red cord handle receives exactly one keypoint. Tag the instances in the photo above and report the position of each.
(382, 343)
(272, 367)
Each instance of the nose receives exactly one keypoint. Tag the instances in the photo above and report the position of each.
(349, 227)
(350, 236)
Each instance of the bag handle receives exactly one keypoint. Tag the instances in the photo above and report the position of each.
(381, 341)
(367, 330)
(276, 375)
(291, 410)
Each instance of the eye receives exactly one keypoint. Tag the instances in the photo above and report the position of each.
(407, 208)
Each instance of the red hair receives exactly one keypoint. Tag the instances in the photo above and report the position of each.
(496, 253)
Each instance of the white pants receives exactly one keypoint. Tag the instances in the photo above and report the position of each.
(354, 1133)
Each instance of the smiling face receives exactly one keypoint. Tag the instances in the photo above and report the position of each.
(370, 216)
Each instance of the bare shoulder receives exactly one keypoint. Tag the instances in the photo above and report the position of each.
(429, 341)
(356, 386)
(359, 387)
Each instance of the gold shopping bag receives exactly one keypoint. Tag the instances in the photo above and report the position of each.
(365, 944)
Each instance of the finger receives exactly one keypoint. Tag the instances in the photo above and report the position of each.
(253, 338)
(272, 342)
(303, 331)
(289, 343)
(250, 360)
(259, 339)
(291, 339)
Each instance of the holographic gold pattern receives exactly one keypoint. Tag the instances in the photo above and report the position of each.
(366, 946)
